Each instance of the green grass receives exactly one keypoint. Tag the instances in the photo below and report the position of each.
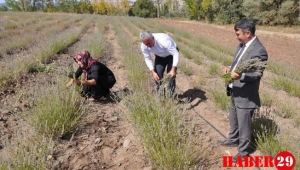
(95, 43)
(266, 135)
(185, 68)
(268, 138)
(28, 151)
(297, 121)
(187, 54)
(213, 69)
(10, 26)
(287, 110)
(220, 98)
(266, 99)
(165, 135)
(199, 82)
(288, 85)
(42, 53)
(283, 69)
(57, 111)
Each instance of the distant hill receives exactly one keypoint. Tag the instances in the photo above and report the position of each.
(2, 4)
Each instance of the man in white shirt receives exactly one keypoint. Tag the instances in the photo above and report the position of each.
(166, 56)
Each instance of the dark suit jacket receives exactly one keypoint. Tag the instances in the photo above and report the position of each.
(245, 92)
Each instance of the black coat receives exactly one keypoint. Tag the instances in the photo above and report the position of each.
(103, 76)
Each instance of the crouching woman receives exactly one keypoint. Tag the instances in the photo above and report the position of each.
(98, 79)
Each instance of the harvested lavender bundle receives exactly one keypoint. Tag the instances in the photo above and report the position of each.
(254, 65)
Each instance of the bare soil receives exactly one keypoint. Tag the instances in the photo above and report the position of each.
(108, 140)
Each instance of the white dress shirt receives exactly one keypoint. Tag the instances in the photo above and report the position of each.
(163, 46)
(246, 47)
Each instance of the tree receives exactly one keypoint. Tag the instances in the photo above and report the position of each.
(67, 5)
(84, 7)
(3, 8)
(99, 6)
(158, 8)
(110, 7)
(264, 12)
(207, 10)
(144, 8)
(13, 5)
(170, 8)
(288, 13)
(194, 8)
(272, 12)
(124, 7)
(227, 11)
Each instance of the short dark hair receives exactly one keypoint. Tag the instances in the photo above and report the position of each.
(245, 24)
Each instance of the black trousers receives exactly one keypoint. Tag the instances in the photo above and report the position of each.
(160, 65)
(100, 89)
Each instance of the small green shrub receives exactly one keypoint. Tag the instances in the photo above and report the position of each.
(28, 152)
(213, 69)
(266, 99)
(165, 135)
(57, 110)
(266, 134)
(220, 98)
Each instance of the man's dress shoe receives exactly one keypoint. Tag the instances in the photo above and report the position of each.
(227, 143)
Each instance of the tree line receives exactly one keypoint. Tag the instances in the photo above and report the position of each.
(264, 12)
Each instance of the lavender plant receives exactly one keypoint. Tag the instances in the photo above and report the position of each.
(254, 65)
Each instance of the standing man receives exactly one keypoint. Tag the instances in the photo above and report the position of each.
(244, 90)
(166, 56)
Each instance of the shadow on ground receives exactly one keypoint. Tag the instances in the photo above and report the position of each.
(193, 94)
(118, 95)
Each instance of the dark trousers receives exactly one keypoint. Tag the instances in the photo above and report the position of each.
(240, 127)
(160, 65)
(100, 89)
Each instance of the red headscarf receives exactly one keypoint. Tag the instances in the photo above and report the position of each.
(86, 59)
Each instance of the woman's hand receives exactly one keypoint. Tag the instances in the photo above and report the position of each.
(80, 82)
(86, 82)
(70, 83)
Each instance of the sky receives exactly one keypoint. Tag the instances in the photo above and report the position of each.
(2, 1)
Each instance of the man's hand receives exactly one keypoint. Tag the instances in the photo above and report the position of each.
(226, 69)
(154, 75)
(173, 72)
(235, 75)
